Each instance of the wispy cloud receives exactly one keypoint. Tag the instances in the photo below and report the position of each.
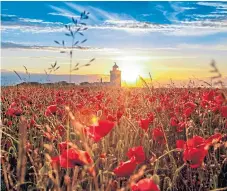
(62, 12)
(217, 47)
(31, 20)
(104, 14)
(63, 15)
(6, 15)
(15, 20)
(79, 9)
(176, 48)
(97, 14)
(25, 45)
(214, 15)
(217, 5)
(200, 24)
(177, 9)
(183, 28)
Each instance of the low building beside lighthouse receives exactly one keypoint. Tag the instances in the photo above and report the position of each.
(115, 79)
(115, 76)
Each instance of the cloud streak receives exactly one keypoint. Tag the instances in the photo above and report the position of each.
(185, 28)
(62, 12)
(192, 25)
(217, 5)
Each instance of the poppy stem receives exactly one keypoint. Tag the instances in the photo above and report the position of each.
(177, 173)
(157, 160)
(178, 150)
(167, 147)
(10, 136)
(134, 128)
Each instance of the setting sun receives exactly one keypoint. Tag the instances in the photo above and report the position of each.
(130, 72)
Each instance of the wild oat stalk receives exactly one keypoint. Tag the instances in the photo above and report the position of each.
(53, 67)
(26, 79)
(145, 83)
(218, 75)
(47, 76)
(77, 27)
(28, 74)
(17, 75)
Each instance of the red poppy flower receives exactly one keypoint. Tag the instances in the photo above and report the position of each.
(174, 121)
(159, 109)
(60, 129)
(63, 146)
(181, 126)
(196, 142)
(119, 114)
(188, 111)
(23, 97)
(86, 111)
(59, 100)
(189, 108)
(151, 99)
(80, 105)
(125, 169)
(51, 110)
(13, 105)
(204, 103)
(219, 99)
(223, 111)
(9, 123)
(72, 157)
(208, 96)
(32, 122)
(18, 112)
(180, 144)
(63, 162)
(195, 156)
(158, 135)
(196, 149)
(138, 152)
(144, 124)
(99, 131)
(177, 109)
(146, 184)
(10, 112)
(14, 110)
(190, 104)
(102, 156)
(151, 117)
(216, 137)
(110, 117)
(215, 107)
(78, 157)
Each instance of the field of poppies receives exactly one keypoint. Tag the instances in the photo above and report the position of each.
(96, 138)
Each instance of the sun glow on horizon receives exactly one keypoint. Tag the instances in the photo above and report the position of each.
(130, 71)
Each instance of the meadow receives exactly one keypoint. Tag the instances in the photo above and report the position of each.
(103, 138)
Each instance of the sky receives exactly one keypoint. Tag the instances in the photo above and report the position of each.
(174, 40)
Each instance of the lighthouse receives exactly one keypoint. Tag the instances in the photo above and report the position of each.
(115, 76)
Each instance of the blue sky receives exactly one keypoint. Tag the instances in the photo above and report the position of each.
(135, 23)
(184, 32)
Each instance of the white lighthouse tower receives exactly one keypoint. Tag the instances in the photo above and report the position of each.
(115, 76)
